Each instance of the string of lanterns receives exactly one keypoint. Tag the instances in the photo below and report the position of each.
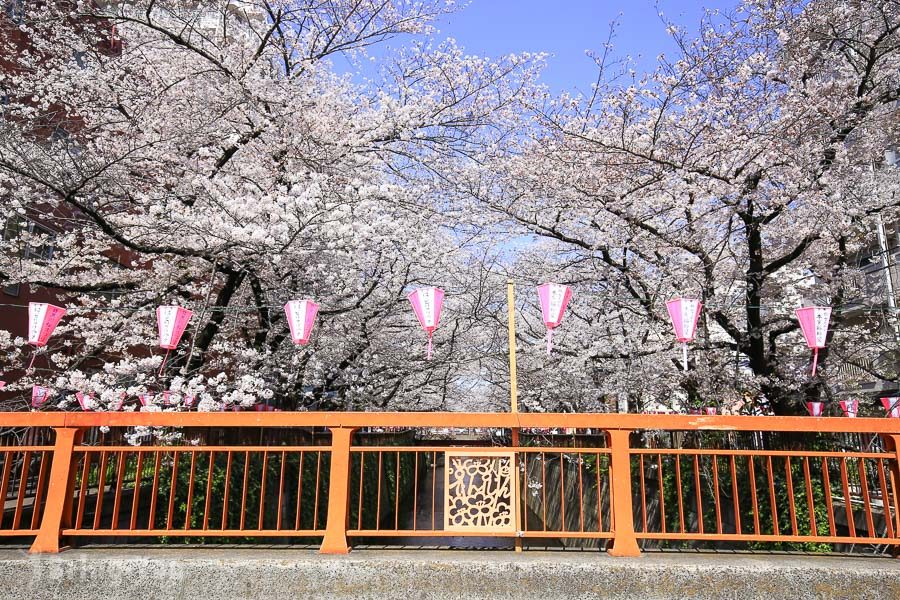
(427, 303)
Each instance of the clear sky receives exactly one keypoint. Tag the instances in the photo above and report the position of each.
(568, 28)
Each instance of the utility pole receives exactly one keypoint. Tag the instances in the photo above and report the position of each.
(888, 275)
(890, 160)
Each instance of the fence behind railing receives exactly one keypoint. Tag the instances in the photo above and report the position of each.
(616, 481)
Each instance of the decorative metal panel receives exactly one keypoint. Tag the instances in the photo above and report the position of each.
(479, 491)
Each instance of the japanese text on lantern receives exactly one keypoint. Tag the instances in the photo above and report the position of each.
(557, 294)
(36, 322)
(688, 316)
(426, 300)
(166, 325)
(822, 318)
(297, 312)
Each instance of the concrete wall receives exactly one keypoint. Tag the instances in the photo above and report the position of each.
(227, 573)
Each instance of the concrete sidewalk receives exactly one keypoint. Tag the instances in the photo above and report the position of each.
(273, 574)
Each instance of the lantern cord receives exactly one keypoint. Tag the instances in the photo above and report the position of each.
(549, 341)
(428, 348)
(815, 360)
(163, 365)
(684, 355)
(33, 356)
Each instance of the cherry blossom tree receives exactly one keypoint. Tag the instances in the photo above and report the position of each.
(208, 154)
(748, 172)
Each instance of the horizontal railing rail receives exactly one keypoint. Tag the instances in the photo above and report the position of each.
(613, 483)
(602, 421)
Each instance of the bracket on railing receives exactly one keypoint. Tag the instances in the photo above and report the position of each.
(892, 443)
(58, 507)
(624, 542)
(335, 540)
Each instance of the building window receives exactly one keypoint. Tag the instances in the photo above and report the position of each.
(11, 230)
(115, 42)
(59, 134)
(15, 10)
(35, 249)
(41, 250)
(14, 226)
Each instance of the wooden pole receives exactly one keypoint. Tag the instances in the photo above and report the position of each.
(514, 403)
(511, 326)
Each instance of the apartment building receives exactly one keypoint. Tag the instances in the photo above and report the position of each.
(876, 284)
(31, 235)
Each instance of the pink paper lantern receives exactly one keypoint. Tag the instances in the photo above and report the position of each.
(82, 400)
(814, 323)
(301, 315)
(42, 320)
(426, 303)
(171, 322)
(815, 408)
(892, 405)
(710, 410)
(189, 400)
(120, 402)
(39, 395)
(684, 312)
(850, 407)
(2, 384)
(166, 398)
(554, 298)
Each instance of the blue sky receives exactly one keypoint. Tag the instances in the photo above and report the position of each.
(568, 28)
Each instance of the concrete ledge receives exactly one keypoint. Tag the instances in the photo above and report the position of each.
(272, 574)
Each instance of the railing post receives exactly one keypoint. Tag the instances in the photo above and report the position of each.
(624, 542)
(894, 440)
(335, 540)
(58, 492)
(70, 493)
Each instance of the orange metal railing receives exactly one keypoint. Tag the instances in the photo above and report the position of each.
(605, 484)
(767, 496)
(198, 491)
(23, 486)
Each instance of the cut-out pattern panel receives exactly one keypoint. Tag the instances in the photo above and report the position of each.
(479, 491)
